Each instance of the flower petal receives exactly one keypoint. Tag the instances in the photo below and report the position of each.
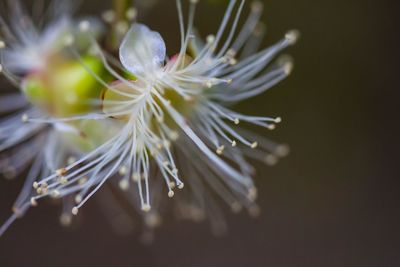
(142, 50)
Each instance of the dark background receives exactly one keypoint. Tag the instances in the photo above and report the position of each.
(333, 202)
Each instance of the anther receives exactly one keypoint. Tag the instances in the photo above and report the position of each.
(131, 14)
(271, 160)
(55, 194)
(254, 211)
(292, 36)
(71, 160)
(181, 185)
(136, 177)
(236, 121)
(82, 181)
(167, 144)
(234, 143)
(210, 39)
(172, 184)
(75, 211)
(146, 207)
(231, 53)
(78, 199)
(124, 184)
(282, 150)
(84, 26)
(252, 193)
(33, 202)
(209, 84)
(232, 61)
(65, 219)
(35, 185)
(254, 145)
(288, 67)
(25, 118)
(123, 170)
(108, 16)
(271, 127)
(256, 6)
(69, 40)
(63, 180)
(236, 207)
(174, 136)
(152, 220)
(171, 193)
(220, 150)
(122, 27)
(2, 44)
(278, 120)
(61, 172)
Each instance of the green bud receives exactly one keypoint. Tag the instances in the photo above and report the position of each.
(66, 88)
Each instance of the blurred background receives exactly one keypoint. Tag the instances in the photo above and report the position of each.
(333, 202)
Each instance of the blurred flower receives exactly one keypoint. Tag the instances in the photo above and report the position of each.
(33, 57)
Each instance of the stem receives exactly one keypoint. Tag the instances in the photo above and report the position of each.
(120, 8)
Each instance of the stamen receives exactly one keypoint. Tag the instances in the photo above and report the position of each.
(282, 150)
(69, 40)
(254, 211)
(33, 202)
(252, 194)
(236, 207)
(220, 150)
(146, 207)
(61, 172)
(71, 160)
(210, 39)
(124, 184)
(25, 118)
(84, 26)
(78, 199)
(65, 219)
(75, 211)
(108, 16)
(271, 160)
(131, 13)
(123, 170)
(292, 36)
(35, 185)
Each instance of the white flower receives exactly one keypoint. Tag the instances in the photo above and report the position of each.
(30, 40)
(28, 45)
(172, 124)
(175, 120)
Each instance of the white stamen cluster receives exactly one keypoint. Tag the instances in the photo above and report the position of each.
(190, 140)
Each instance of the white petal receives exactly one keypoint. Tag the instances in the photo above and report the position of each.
(142, 50)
